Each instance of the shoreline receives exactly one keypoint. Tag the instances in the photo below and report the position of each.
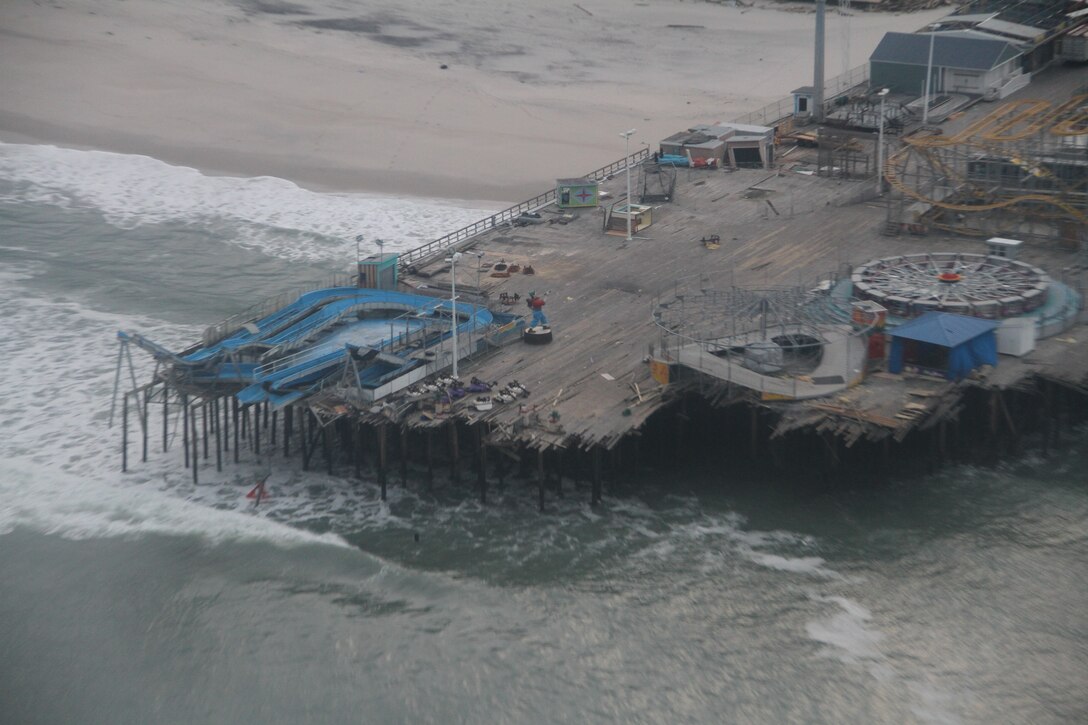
(442, 100)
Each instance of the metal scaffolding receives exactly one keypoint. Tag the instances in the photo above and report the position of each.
(1021, 171)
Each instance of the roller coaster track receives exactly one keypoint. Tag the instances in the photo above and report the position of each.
(1011, 122)
(1006, 115)
(1076, 123)
(1005, 132)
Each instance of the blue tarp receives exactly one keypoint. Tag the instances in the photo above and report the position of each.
(970, 341)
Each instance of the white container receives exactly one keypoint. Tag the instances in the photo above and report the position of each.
(1016, 336)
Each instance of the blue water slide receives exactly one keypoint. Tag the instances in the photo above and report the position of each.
(271, 324)
(307, 368)
(228, 372)
(312, 324)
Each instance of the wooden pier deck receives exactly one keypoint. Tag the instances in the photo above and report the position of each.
(591, 388)
(592, 385)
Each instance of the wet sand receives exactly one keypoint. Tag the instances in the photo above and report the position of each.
(460, 99)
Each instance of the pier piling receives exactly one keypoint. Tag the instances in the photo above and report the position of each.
(218, 436)
(196, 444)
(165, 417)
(540, 476)
(185, 426)
(381, 459)
(145, 416)
(234, 416)
(124, 433)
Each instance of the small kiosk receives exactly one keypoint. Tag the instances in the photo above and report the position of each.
(616, 221)
(1004, 248)
(576, 193)
(378, 271)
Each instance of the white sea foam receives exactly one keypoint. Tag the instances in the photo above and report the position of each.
(59, 462)
(78, 507)
(847, 631)
(131, 190)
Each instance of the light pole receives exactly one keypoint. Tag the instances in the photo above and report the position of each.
(627, 153)
(880, 144)
(929, 74)
(453, 303)
(358, 261)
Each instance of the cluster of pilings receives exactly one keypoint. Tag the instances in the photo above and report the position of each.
(366, 447)
(984, 425)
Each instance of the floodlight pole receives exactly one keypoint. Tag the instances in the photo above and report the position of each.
(627, 153)
(929, 74)
(880, 144)
(358, 261)
(453, 303)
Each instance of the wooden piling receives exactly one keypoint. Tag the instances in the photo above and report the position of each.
(595, 496)
(165, 417)
(455, 474)
(185, 426)
(326, 448)
(204, 426)
(403, 455)
(234, 415)
(288, 415)
(430, 458)
(145, 417)
(754, 442)
(481, 465)
(196, 445)
(381, 458)
(540, 476)
(218, 436)
(357, 448)
(124, 433)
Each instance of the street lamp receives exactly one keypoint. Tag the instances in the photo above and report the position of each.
(880, 144)
(627, 153)
(358, 261)
(453, 303)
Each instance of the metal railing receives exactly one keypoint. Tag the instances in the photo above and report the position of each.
(221, 330)
(769, 115)
(774, 112)
(506, 216)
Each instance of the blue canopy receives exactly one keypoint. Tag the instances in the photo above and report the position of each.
(970, 341)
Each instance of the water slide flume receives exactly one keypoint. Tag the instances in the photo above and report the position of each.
(372, 337)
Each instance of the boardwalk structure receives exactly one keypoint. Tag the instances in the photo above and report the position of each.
(592, 391)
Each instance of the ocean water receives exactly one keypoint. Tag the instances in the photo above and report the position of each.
(960, 597)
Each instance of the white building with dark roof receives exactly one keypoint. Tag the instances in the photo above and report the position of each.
(962, 63)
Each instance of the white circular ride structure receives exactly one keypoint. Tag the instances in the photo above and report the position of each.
(968, 284)
(783, 342)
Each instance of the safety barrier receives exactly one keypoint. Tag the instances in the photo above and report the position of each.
(415, 256)
(266, 307)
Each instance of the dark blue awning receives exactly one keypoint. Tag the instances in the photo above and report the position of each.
(944, 328)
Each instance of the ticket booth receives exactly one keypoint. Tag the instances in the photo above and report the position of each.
(576, 193)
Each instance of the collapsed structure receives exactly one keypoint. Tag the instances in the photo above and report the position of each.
(765, 305)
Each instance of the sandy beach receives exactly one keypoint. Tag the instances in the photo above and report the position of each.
(473, 99)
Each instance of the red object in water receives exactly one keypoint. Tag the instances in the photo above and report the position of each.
(258, 492)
